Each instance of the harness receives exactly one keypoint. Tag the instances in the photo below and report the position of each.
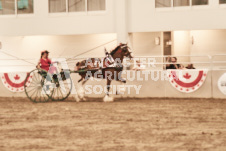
(109, 60)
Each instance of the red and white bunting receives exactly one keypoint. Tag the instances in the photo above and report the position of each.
(187, 81)
(14, 82)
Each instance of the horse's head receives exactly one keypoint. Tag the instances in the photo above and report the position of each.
(122, 51)
(125, 51)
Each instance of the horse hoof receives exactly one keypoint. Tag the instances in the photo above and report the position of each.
(81, 93)
(77, 99)
(108, 99)
(123, 80)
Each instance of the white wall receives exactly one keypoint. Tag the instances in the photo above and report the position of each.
(143, 17)
(181, 44)
(209, 42)
(144, 44)
(121, 16)
(205, 42)
(150, 88)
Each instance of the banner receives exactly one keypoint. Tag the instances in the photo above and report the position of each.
(14, 82)
(187, 81)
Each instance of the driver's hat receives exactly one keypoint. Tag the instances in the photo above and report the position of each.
(44, 51)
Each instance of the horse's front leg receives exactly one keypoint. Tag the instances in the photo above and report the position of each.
(121, 80)
(108, 86)
(107, 98)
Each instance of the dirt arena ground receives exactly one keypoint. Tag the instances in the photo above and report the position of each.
(124, 125)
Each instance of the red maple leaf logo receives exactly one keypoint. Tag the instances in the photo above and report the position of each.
(17, 77)
(187, 76)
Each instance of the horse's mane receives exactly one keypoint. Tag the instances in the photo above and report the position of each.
(116, 49)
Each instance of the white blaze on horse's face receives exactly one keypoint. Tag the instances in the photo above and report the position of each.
(125, 46)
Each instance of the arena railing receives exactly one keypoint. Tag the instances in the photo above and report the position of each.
(159, 62)
(219, 62)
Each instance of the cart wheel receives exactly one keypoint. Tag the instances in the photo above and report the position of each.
(35, 89)
(62, 88)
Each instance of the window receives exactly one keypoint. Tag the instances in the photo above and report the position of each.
(7, 7)
(24, 6)
(76, 5)
(199, 2)
(222, 1)
(162, 3)
(95, 5)
(177, 3)
(57, 6)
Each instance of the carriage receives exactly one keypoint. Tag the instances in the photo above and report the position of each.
(57, 86)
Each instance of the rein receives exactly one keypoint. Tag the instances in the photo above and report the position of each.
(73, 58)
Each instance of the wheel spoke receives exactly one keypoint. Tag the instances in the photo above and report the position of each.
(34, 90)
(61, 92)
(58, 93)
(31, 90)
(33, 93)
(36, 95)
(53, 95)
(35, 77)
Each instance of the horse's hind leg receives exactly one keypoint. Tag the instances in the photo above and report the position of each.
(80, 80)
(84, 82)
(80, 91)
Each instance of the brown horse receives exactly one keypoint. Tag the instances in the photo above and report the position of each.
(105, 69)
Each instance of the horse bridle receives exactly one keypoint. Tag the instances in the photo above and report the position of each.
(126, 48)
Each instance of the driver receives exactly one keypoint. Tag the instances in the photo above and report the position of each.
(45, 63)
